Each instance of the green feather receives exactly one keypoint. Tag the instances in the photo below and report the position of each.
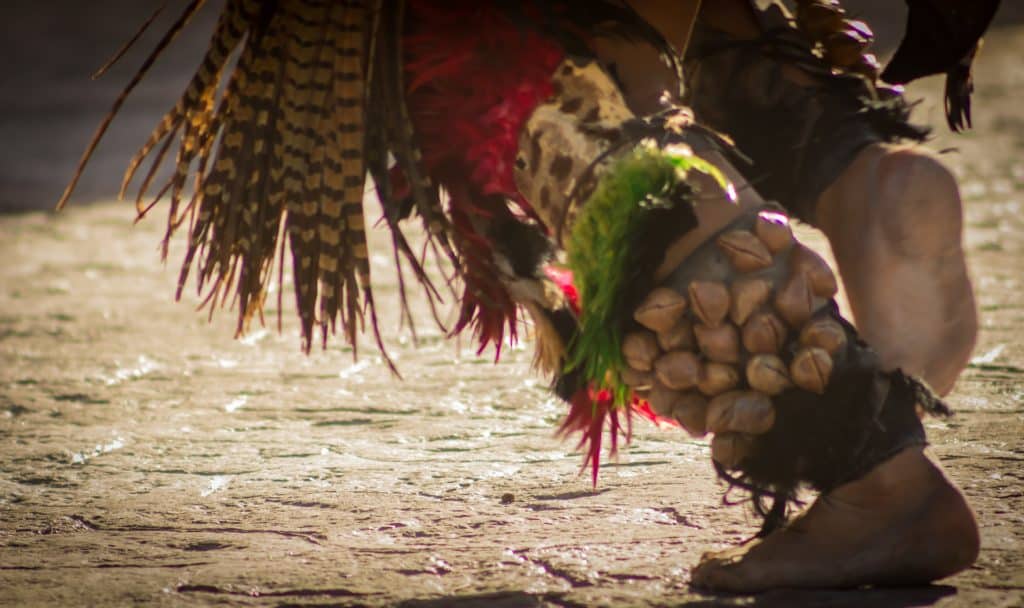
(607, 227)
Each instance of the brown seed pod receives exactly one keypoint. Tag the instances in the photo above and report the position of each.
(819, 275)
(660, 310)
(868, 66)
(818, 19)
(795, 302)
(741, 412)
(678, 369)
(768, 374)
(720, 344)
(731, 449)
(663, 399)
(844, 48)
(690, 411)
(774, 231)
(636, 379)
(679, 337)
(709, 301)
(747, 295)
(717, 378)
(887, 92)
(745, 251)
(825, 334)
(764, 333)
(863, 29)
(810, 369)
(640, 349)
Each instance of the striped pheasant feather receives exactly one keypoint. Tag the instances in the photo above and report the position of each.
(401, 136)
(293, 102)
(390, 134)
(193, 111)
(277, 154)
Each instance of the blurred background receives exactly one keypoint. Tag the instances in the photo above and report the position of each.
(49, 107)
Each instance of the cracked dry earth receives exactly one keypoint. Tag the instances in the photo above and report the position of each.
(148, 458)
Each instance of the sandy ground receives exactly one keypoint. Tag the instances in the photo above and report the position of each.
(148, 458)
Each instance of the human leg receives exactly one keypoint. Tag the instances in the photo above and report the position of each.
(887, 514)
(753, 308)
(894, 221)
(891, 213)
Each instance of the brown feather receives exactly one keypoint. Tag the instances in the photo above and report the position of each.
(281, 153)
(169, 36)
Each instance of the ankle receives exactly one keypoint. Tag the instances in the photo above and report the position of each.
(909, 472)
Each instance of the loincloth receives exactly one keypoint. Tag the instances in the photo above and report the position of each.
(799, 136)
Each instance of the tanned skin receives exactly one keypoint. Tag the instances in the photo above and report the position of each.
(894, 220)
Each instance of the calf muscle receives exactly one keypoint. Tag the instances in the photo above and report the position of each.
(894, 221)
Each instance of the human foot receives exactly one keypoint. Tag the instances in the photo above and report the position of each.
(904, 523)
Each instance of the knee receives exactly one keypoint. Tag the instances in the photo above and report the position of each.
(919, 203)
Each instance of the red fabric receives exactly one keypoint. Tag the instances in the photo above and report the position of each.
(562, 277)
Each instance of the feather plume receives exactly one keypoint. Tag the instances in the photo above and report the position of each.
(602, 245)
(280, 153)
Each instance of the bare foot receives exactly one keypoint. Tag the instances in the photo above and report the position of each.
(902, 524)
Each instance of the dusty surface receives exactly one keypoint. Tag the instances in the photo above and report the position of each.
(148, 458)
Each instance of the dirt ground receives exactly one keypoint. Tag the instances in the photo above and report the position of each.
(148, 458)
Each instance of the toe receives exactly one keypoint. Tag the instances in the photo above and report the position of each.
(703, 574)
(716, 570)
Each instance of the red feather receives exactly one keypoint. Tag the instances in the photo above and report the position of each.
(474, 79)
(587, 414)
(587, 410)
